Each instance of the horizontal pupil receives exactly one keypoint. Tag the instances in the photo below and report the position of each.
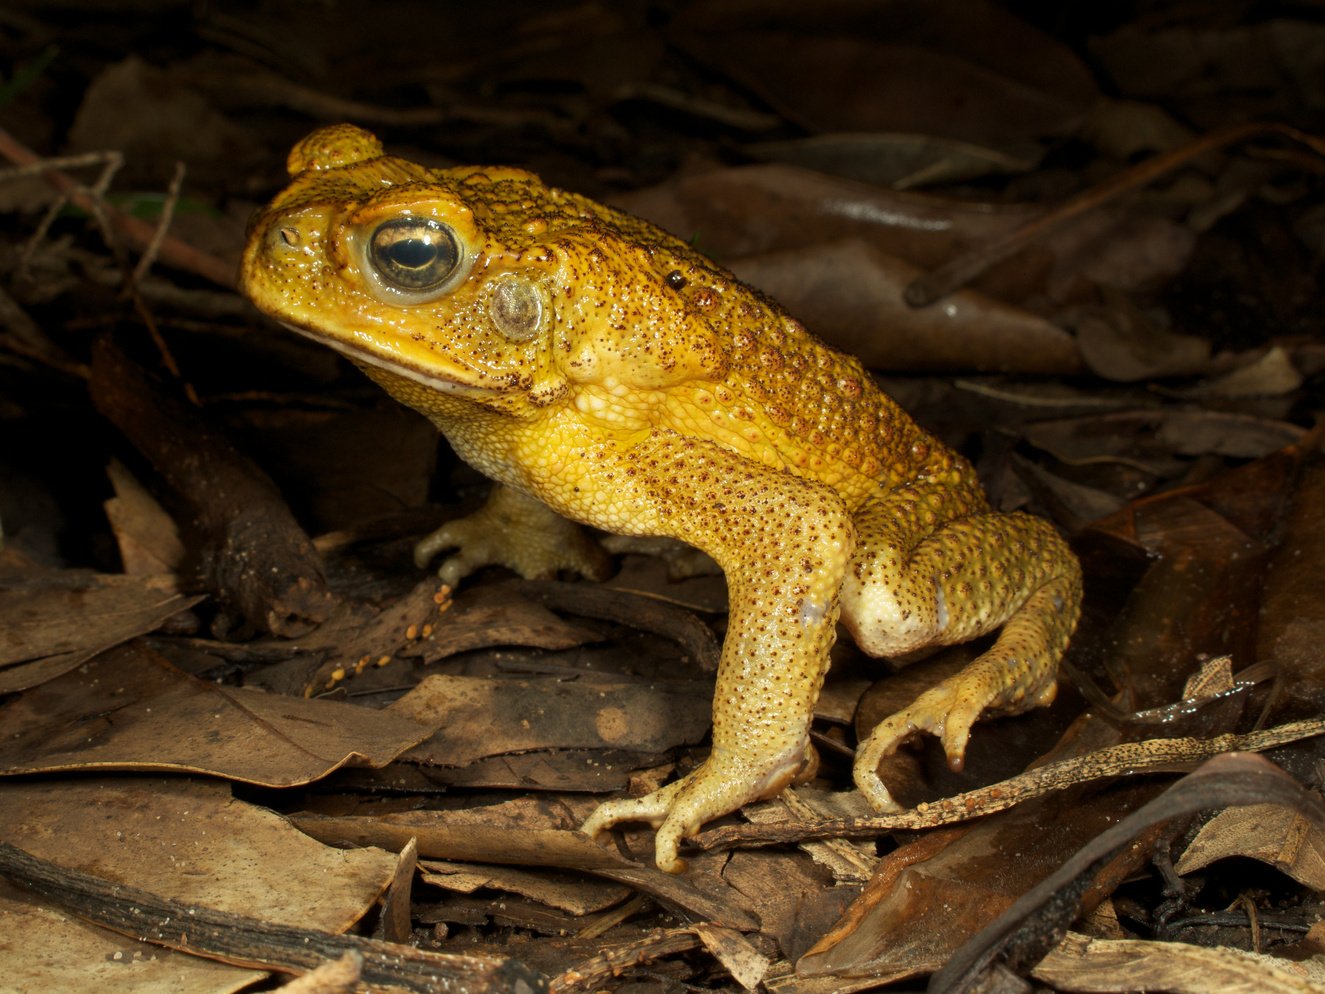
(413, 253)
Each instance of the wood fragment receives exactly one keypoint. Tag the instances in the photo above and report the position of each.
(337, 977)
(593, 973)
(847, 861)
(394, 921)
(735, 952)
(256, 558)
(613, 917)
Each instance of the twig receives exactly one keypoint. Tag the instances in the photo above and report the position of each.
(153, 247)
(593, 973)
(243, 941)
(110, 162)
(139, 234)
(1120, 760)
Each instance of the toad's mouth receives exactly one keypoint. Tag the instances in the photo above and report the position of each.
(396, 366)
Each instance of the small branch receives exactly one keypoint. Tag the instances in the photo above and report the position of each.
(1120, 760)
(153, 248)
(256, 557)
(594, 973)
(242, 941)
(139, 234)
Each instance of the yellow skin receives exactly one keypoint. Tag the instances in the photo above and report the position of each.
(598, 367)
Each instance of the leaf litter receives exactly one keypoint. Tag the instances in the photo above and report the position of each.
(242, 612)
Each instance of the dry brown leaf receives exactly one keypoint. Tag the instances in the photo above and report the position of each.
(190, 841)
(496, 615)
(1106, 965)
(186, 840)
(751, 209)
(850, 293)
(1237, 436)
(1075, 504)
(901, 161)
(1291, 622)
(424, 624)
(1150, 438)
(735, 952)
(964, 70)
(598, 770)
(574, 894)
(1115, 250)
(796, 903)
(1269, 833)
(477, 717)
(147, 536)
(1269, 375)
(55, 621)
(130, 709)
(1128, 129)
(1122, 343)
(336, 977)
(864, 940)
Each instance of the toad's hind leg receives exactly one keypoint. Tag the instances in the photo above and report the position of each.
(937, 567)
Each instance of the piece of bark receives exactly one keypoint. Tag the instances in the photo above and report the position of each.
(612, 961)
(256, 558)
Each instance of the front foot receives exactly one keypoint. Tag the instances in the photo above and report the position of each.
(515, 531)
(679, 810)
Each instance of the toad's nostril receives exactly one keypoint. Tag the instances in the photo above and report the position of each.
(289, 237)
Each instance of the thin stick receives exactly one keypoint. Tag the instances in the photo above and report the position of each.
(1121, 760)
(173, 252)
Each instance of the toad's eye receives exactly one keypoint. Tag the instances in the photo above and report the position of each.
(414, 254)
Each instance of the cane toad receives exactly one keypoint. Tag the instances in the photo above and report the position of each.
(603, 371)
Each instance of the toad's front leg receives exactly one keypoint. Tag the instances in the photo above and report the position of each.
(783, 544)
